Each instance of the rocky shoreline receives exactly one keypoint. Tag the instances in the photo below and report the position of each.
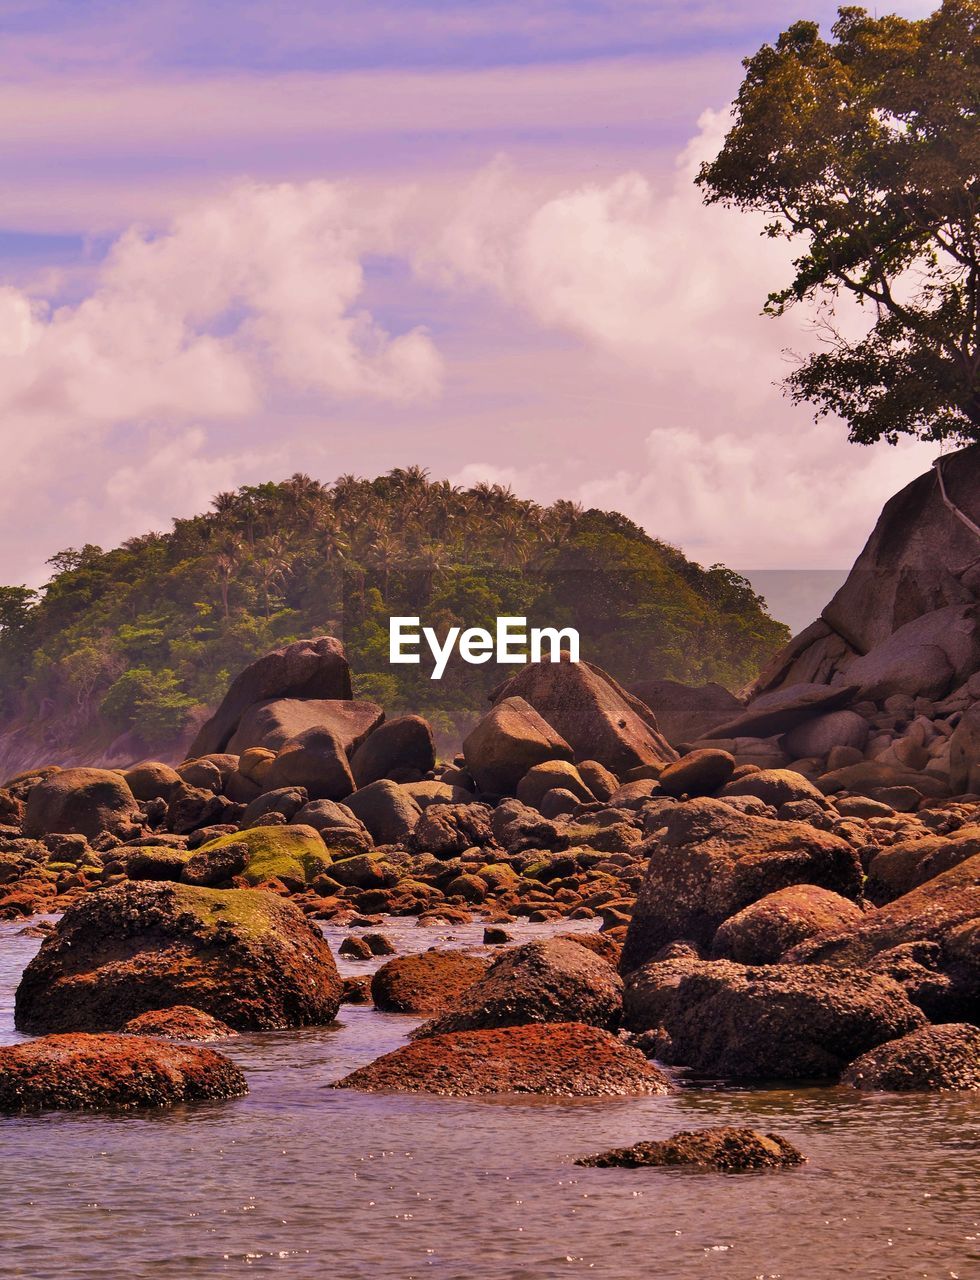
(755, 923)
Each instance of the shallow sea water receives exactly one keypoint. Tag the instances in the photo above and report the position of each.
(299, 1180)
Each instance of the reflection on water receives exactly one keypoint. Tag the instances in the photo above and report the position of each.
(301, 1180)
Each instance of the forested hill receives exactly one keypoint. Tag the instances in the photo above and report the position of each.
(136, 640)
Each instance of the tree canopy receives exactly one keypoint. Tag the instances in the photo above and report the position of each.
(865, 150)
(141, 636)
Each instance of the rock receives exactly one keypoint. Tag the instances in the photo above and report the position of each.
(551, 774)
(240, 789)
(429, 984)
(899, 868)
(152, 780)
(495, 936)
(924, 658)
(153, 863)
(600, 781)
(365, 871)
(775, 787)
(357, 990)
(83, 802)
(964, 754)
(871, 777)
(699, 773)
(380, 944)
(122, 1073)
(249, 958)
(387, 809)
(355, 947)
(820, 736)
(447, 830)
(179, 1022)
(510, 739)
(203, 774)
(915, 560)
(284, 800)
(403, 743)
(307, 669)
(686, 712)
(709, 861)
(766, 1022)
(929, 1059)
(784, 709)
(254, 764)
(433, 792)
(273, 724)
(564, 1059)
(763, 932)
(341, 830)
(295, 855)
(217, 864)
(556, 802)
(599, 720)
(542, 981)
(316, 761)
(943, 913)
(724, 1150)
(516, 827)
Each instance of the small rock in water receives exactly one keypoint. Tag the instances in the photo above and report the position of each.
(727, 1149)
(929, 1059)
(380, 944)
(356, 948)
(494, 936)
(356, 990)
(180, 1022)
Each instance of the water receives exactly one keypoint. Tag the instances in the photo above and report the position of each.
(298, 1180)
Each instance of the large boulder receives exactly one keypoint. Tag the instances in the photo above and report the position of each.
(929, 938)
(818, 737)
(595, 716)
(544, 981)
(296, 855)
(387, 809)
(686, 712)
(430, 983)
(83, 802)
(901, 867)
(247, 957)
(925, 658)
(152, 780)
(307, 669)
(708, 861)
(775, 787)
(770, 1022)
(121, 1073)
(699, 773)
(316, 761)
(929, 1059)
(273, 724)
(342, 831)
(763, 932)
(549, 776)
(448, 830)
(397, 746)
(782, 710)
(726, 1150)
(921, 557)
(566, 1059)
(510, 739)
(964, 754)
(517, 827)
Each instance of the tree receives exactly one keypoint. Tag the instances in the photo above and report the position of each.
(15, 604)
(866, 150)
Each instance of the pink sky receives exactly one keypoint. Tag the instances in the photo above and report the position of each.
(462, 236)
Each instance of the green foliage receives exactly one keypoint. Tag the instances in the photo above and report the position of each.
(140, 635)
(867, 151)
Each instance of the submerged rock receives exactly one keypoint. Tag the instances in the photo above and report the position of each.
(179, 1022)
(726, 1149)
(244, 956)
(96, 1073)
(567, 1059)
(932, 1058)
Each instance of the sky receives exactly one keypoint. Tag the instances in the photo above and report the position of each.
(240, 240)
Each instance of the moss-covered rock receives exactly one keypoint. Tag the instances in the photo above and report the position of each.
(294, 855)
(247, 957)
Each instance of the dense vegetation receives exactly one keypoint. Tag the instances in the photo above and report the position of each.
(139, 636)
